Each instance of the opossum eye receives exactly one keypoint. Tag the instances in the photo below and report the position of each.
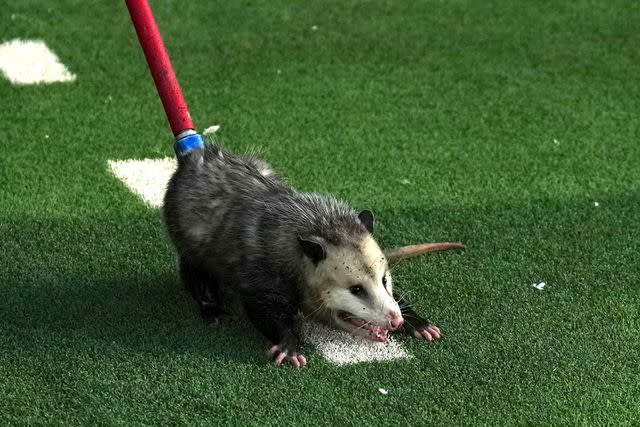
(357, 290)
(386, 282)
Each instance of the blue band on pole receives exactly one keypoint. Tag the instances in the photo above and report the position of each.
(188, 143)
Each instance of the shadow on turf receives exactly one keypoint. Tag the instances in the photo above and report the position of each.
(80, 282)
(151, 316)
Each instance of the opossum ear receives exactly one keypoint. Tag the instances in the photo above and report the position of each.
(366, 217)
(313, 249)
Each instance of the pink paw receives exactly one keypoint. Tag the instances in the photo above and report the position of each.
(429, 333)
(297, 360)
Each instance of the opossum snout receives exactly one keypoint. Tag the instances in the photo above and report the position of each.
(396, 320)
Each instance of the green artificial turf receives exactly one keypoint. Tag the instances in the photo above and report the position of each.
(509, 120)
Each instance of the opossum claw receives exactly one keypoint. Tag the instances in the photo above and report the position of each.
(429, 333)
(280, 357)
(396, 255)
(434, 331)
(297, 360)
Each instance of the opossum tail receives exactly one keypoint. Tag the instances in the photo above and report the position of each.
(399, 254)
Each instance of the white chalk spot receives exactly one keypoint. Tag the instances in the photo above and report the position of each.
(314, 28)
(46, 137)
(147, 178)
(211, 129)
(405, 181)
(343, 348)
(26, 62)
(539, 286)
(278, 71)
(555, 141)
(383, 391)
(596, 204)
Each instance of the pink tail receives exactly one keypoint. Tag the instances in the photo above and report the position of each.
(398, 254)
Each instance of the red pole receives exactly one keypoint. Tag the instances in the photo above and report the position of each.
(160, 66)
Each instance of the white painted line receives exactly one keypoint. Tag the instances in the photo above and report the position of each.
(148, 179)
(26, 62)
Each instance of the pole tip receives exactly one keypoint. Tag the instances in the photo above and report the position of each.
(187, 144)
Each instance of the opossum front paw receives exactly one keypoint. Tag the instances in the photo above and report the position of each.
(289, 352)
(431, 332)
(297, 360)
(422, 329)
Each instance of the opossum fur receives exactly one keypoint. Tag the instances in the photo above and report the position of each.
(239, 229)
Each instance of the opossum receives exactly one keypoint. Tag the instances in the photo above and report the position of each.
(239, 229)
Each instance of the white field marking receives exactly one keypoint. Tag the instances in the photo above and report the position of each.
(383, 391)
(343, 348)
(596, 204)
(148, 179)
(211, 129)
(26, 62)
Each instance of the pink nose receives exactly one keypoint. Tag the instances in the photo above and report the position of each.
(396, 320)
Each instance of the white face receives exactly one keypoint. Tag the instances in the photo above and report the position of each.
(355, 291)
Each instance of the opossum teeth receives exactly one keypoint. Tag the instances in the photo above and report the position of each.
(373, 332)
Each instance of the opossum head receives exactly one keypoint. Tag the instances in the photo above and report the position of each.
(349, 285)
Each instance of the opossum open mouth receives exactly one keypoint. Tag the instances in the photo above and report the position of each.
(362, 327)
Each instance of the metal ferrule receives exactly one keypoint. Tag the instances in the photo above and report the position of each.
(186, 144)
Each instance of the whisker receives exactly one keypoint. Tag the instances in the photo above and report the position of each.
(320, 307)
(361, 326)
(409, 323)
(402, 295)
